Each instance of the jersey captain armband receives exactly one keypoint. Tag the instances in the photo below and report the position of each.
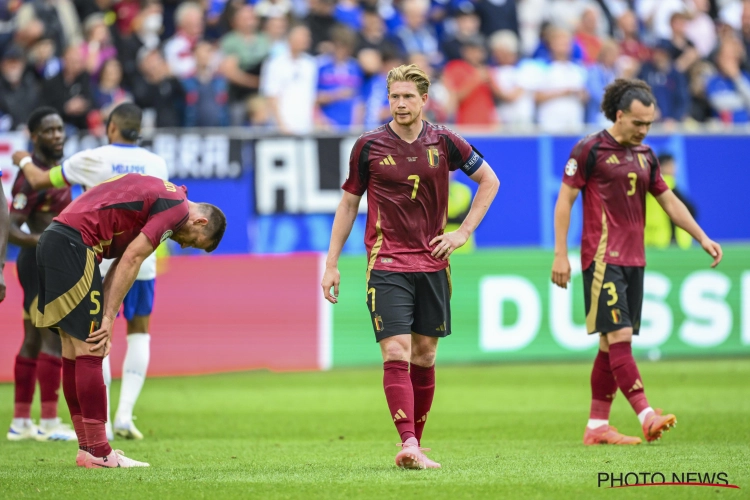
(57, 178)
(473, 163)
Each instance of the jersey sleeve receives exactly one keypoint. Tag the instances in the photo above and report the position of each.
(575, 168)
(23, 198)
(657, 185)
(86, 168)
(461, 155)
(168, 214)
(359, 168)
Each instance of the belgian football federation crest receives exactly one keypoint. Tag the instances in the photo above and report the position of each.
(616, 317)
(378, 321)
(642, 161)
(433, 157)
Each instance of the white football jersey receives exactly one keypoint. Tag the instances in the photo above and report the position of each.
(94, 166)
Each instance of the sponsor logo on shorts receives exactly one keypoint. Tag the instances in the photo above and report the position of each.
(378, 321)
(571, 167)
(167, 234)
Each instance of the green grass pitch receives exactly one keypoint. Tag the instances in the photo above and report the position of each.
(510, 431)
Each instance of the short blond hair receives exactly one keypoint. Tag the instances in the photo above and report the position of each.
(409, 73)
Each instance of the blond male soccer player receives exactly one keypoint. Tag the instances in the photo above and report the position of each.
(404, 166)
(614, 170)
(89, 168)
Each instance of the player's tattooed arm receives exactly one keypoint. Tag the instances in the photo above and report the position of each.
(563, 207)
(682, 218)
(346, 214)
(4, 229)
(38, 178)
(18, 236)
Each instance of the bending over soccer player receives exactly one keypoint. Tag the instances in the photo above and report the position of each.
(124, 218)
(89, 168)
(40, 356)
(614, 169)
(404, 167)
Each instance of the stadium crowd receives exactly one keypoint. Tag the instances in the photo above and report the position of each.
(298, 66)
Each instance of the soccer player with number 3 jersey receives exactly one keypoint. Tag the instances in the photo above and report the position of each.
(404, 166)
(613, 170)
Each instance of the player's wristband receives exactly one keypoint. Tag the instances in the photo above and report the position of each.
(56, 177)
(25, 161)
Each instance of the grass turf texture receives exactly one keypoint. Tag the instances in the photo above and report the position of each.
(513, 431)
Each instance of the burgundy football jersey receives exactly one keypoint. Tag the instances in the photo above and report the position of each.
(110, 215)
(407, 193)
(27, 201)
(614, 180)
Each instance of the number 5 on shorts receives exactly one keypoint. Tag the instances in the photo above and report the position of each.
(97, 304)
(372, 291)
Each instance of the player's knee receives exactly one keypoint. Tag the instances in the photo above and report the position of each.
(138, 324)
(425, 358)
(393, 349)
(32, 343)
(51, 344)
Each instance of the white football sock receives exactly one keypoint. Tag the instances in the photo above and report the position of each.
(49, 423)
(594, 423)
(107, 372)
(133, 375)
(22, 423)
(642, 415)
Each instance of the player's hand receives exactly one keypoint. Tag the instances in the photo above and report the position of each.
(561, 271)
(713, 249)
(447, 243)
(19, 155)
(107, 347)
(102, 336)
(331, 278)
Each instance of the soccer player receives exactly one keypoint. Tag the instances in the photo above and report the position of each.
(614, 170)
(89, 168)
(124, 218)
(404, 167)
(40, 353)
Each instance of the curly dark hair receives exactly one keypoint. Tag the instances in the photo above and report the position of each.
(39, 114)
(621, 93)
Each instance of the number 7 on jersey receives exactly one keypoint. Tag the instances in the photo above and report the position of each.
(414, 178)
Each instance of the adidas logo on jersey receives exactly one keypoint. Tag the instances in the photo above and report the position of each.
(612, 160)
(388, 160)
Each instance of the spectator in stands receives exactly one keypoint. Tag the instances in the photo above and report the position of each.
(701, 30)
(273, 8)
(600, 75)
(373, 34)
(587, 36)
(289, 82)
(349, 13)
(206, 103)
(259, 114)
(55, 19)
(512, 81)
(497, 15)
(729, 90)
(321, 20)
(340, 82)
(42, 57)
(7, 23)
(244, 49)
(467, 26)
(745, 32)
(275, 29)
(70, 91)
(109, 93)
(657, 15)
(98, 46)
(670, 86)
(417, 35)
(544, 51)
(567, 14)
(681, 49)
(375, 87)
(178, 51)
(560, 89)
(158, 91)
(700, 107)
(439, 104)
(18, 88)
(531, 16)
(629, 36)
(470, 82)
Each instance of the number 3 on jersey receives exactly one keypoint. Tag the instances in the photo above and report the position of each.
(633, 178)
(414, 178)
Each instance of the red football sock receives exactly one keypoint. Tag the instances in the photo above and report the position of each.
(423, 383)
(49, 373)
(71, 397)
(626, 374)
(92, 396)
(24, 374)
(603, 387)
(400, 397)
